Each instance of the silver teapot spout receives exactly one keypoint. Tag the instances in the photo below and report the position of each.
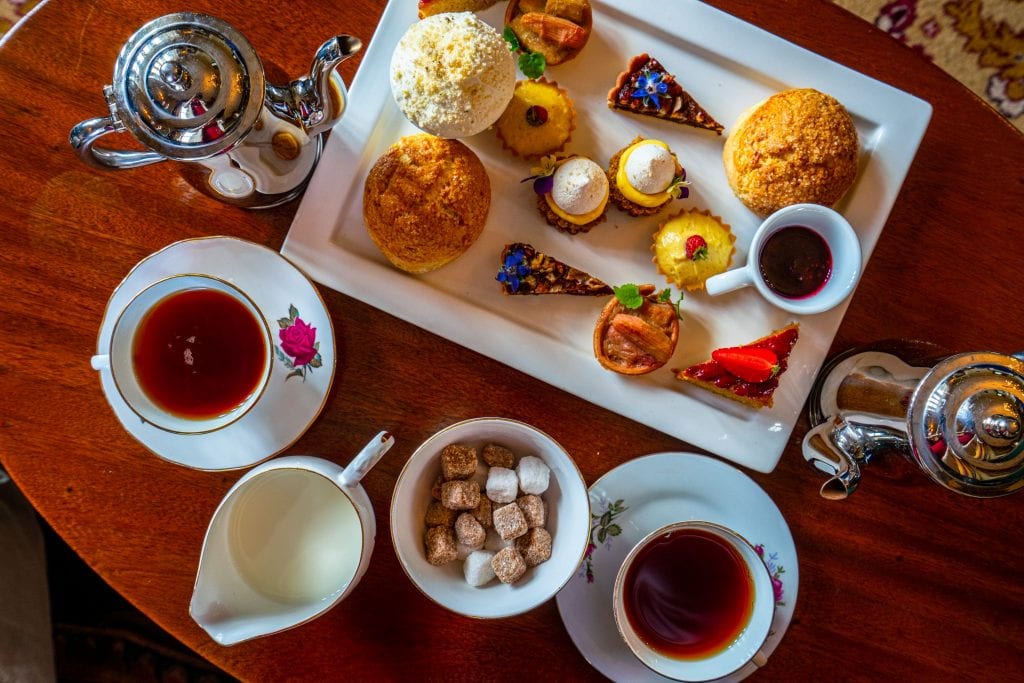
(959, 421)
(839, 448)
(314, 102)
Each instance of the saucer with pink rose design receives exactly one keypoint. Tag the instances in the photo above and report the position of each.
(648, 493)
(302, 367)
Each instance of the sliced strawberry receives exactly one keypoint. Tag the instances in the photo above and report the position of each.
(696, 248)
(748, 363)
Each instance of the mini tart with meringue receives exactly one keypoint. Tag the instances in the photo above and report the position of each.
(645, 176)
(573, 197)
(691, 246)
(539, 120)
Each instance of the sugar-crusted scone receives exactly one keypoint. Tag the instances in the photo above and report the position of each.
(452, 75)
(797, 146)
(425, 201)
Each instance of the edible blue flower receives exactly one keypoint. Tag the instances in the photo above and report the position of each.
(649, 86)
(513, 269)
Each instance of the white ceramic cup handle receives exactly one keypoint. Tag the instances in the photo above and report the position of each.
(729, 280)
(759, 659)
(366, 459)
(100, 362)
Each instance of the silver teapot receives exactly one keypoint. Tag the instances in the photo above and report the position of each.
(960, 421)
(190, 87)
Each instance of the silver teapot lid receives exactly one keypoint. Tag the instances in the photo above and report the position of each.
(965, 421)
(187, 85)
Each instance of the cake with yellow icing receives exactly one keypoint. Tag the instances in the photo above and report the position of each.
(645, 176)
(573, 198)
(539, 120)
(692, 246)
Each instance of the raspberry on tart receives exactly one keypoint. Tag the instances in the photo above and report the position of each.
(715, 376)
(645, 87)
(524, 270)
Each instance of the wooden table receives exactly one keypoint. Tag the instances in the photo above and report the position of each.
(903, 580)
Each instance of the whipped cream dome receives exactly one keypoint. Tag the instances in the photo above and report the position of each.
(452, 75)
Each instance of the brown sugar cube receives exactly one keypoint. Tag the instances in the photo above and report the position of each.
(435, 490)
(469, 532)
(508, 565)
(441, 548)
(509, 522)
(458, 462)
(534, 546)
(484, 512)
(533, 509)
(439, 515)
(498, 456)
(460, 494)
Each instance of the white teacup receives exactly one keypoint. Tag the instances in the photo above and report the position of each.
(289, 541)
(119, 358)
(732, 655)
(842, 243)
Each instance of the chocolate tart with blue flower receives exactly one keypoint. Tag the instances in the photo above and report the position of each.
(524, 270)
(572, 193)
(645, 87)
(645, 176)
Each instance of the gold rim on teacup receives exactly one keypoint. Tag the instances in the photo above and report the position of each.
(104, 362)
(762, 586)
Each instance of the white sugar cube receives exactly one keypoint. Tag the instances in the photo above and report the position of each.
(503, 485)
(478, 568)
(533, 475)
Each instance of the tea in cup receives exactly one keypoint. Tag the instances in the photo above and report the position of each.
(694, 601)
(291, 539)
(189, 354)
(804, 258)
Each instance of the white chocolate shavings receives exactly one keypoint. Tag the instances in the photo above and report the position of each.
(452, 75)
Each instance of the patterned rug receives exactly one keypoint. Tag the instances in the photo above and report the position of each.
(979, 42)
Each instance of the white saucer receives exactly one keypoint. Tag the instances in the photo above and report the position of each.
(651, 492)
(294, 396)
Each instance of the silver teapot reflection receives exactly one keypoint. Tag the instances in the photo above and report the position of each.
(189, 87)
(959, 421)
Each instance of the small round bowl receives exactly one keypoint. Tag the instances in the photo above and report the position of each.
(568, 521)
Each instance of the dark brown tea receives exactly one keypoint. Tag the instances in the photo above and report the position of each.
(795, 262)
(688, 594)
(199, 353)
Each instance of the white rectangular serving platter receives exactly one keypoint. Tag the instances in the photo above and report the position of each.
(728, 66)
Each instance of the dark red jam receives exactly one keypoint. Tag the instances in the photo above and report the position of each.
(688, 594)
(795, 262)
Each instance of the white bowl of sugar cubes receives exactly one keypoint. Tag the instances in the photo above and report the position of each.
(490, 517)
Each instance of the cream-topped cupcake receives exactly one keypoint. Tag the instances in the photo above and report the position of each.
(577, 196)
(452, 75)
(645, 176)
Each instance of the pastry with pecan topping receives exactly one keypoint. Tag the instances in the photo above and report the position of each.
(635, 341)
(645, 87)
(524, 270)
(557, 29)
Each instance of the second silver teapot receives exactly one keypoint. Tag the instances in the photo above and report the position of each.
(961, 421)
(190, 87)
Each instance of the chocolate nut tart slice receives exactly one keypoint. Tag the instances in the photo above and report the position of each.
(524, 270)
(645, 87)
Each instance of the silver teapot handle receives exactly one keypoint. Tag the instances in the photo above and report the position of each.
(84, 136)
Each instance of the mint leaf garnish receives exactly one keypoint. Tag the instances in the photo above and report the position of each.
(532, 64)
(629, 296)
(666, 297)
(510, 37)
